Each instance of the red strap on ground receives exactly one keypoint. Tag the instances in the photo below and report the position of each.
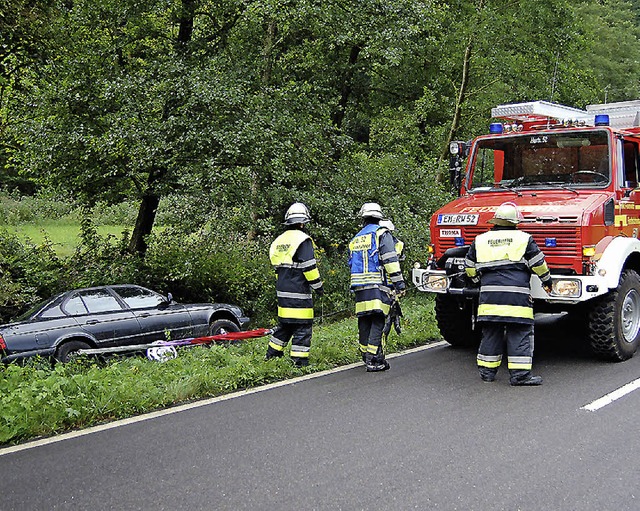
(232, 336)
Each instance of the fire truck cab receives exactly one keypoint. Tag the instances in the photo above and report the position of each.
(574, 175)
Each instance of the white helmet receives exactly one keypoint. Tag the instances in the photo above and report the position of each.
(371, 210)
(297, 214)
(506, 214)
(388, 224)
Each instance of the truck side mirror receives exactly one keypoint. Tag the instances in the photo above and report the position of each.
(458, 151)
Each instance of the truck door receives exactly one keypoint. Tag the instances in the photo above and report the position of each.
(630, 205)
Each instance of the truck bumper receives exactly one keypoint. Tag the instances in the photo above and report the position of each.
(566, 289)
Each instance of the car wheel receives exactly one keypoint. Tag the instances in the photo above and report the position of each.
(66, 351)
(222, 326)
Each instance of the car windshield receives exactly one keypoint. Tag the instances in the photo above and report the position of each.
(569, 159)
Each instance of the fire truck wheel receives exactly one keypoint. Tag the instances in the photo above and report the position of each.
(455, 320)
(614, 321)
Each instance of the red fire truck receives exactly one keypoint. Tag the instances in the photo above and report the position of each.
(574, 175)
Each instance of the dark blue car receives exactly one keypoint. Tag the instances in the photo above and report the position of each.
(111, 316)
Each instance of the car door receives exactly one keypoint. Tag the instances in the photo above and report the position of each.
(99, 313)
(158, 318)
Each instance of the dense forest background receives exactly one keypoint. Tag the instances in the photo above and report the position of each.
(212, 116)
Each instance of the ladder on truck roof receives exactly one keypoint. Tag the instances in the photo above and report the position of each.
(623, 114)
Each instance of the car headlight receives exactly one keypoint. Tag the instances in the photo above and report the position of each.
(566, 287)
(436, 283)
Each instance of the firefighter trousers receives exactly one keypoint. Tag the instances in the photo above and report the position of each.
(370, 333)
(300, 336)
(518, 339)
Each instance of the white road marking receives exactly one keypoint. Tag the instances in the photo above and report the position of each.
(612, 396)
(197, 404)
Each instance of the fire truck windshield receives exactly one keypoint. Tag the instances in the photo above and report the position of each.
(576, 159)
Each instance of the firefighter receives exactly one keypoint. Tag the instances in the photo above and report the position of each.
(292, 255)
(502, 261)
(375, 277)
(398, 245)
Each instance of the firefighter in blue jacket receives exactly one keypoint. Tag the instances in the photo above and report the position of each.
(503, 260)
(375, 277)
(292, 255)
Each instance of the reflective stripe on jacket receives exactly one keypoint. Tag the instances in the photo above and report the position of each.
(375, 268)
(292, 256)
(373, 258)
(503, 260)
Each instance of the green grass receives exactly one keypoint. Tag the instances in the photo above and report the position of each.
(36, 400)
(63, 235)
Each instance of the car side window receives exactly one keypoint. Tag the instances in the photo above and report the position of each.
(53, 309)
(74, 306)
(99, 300)
(139, 298)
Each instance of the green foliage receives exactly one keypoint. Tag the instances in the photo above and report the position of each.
(206, 267)
(28, 273)
(36, 400)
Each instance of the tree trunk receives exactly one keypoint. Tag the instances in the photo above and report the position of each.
(150, 199)
(185, 31)
(455, 123)
(271, 30)
(464, 82)
(144, 223)
(346, 87)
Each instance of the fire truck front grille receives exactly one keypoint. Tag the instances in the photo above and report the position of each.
(560, 243)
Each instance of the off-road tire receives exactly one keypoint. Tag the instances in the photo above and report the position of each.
(455, 321)
(614, 320)
(66, 351)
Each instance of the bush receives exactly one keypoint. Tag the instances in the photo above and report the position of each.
(28, 273)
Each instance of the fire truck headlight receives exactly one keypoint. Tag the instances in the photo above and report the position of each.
(454, 148)
(567, 288)
(436, 283)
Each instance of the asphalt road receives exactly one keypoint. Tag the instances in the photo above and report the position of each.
(428, 434)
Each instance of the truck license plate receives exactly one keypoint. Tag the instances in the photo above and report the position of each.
(468, 219)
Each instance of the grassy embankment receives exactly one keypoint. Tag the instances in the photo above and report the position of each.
(64, 235)
(36, 400)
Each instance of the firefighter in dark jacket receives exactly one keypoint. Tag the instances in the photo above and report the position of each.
(375, 277)
(292, 255)
(502, 260)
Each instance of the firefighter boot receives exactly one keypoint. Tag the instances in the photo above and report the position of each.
(271, 353)
(487, 374)
(380, 358)
(527, 380)
(300, 362)
(373, 365)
